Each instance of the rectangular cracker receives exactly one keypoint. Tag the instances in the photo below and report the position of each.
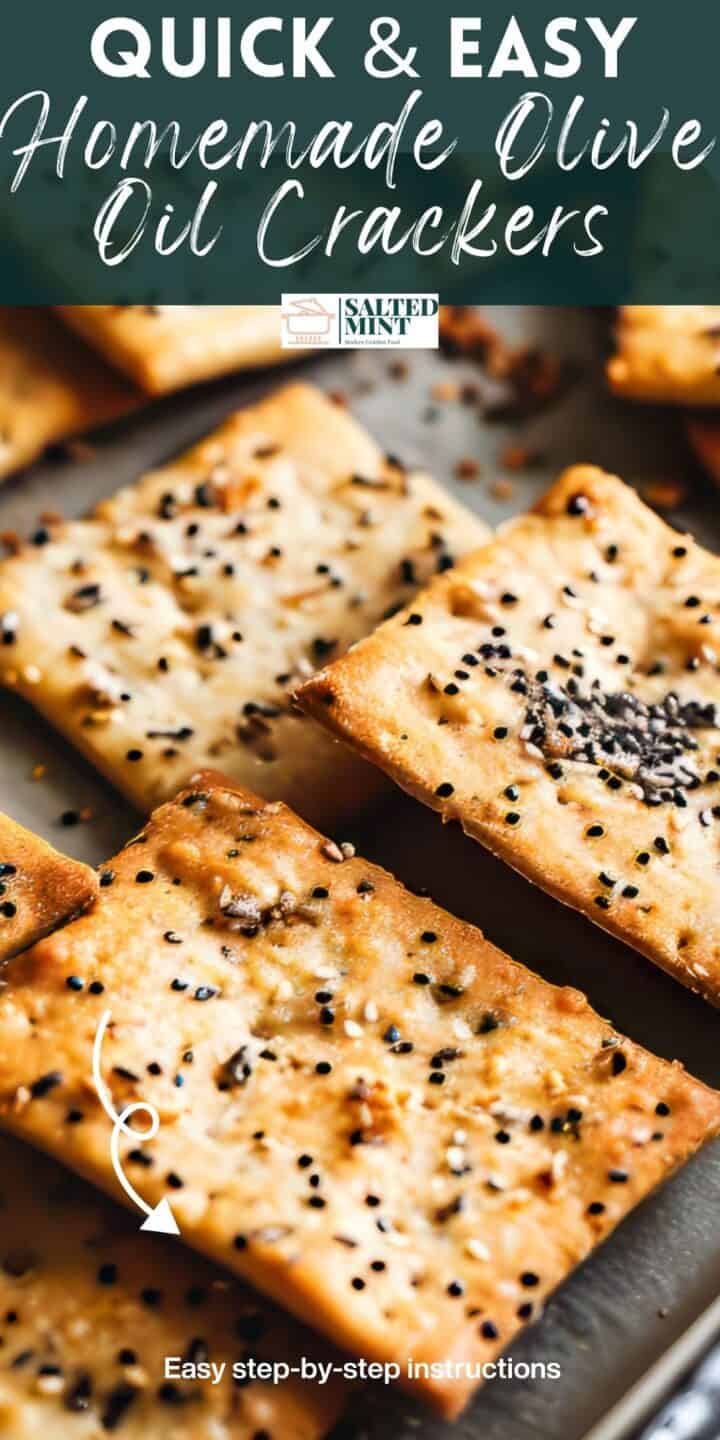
(89, 1310)
(168, 630)
(558, 694)
(667, 354)
(39, 888)
(52, 387)
(384, 1122)
(165, 347)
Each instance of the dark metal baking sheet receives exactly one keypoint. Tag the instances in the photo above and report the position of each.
(621, 1311)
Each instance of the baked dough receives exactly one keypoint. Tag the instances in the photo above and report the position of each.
(39, 888)
(668, 354)
(384, 1122)
(169, 629)
(51, 387)
(558, 694)
(89, 1310)
(165, 347)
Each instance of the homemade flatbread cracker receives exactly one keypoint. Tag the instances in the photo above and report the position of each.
(384, 1122)
(668, 354)
(89, 1310)
(558, 695)
(39, 888)
(169, 629)
(51, 387)
(165, 347)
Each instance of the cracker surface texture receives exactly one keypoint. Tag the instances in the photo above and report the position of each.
(385, 1123)
(558, 695)
(668, 354)
(39, 888)
(165, 347)
(52, 387)
(90, 1309)
(168, 630)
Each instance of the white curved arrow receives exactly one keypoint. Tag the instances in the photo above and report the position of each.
(160, 1218)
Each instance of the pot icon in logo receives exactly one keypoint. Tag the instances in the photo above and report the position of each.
(306, 321)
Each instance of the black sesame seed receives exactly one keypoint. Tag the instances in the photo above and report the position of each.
(45, 1083)
(489, 1022)
(578, 505)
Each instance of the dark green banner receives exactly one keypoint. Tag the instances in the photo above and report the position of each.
(521, 153)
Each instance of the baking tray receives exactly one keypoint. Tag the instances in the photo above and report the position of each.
(622, 1310)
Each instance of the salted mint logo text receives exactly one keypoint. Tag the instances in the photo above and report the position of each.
(408, 322)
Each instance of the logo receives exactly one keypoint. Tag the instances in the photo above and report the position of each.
(343, 322)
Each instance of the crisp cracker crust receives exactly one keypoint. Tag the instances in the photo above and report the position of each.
(667, 354)
(591, 596)
(51, 387)
(39, 888)
(168, 630)
(385, 1123)
(90, 1309)
(164, 347)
